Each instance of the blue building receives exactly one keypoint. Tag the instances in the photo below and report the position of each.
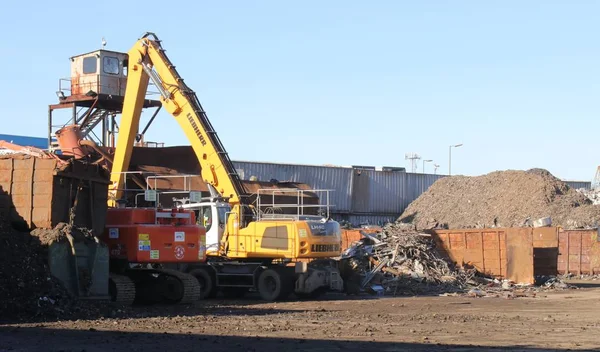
(26, 141)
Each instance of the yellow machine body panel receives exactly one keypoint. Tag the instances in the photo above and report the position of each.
(283, 239)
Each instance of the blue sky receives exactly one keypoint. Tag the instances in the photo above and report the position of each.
(344, 82)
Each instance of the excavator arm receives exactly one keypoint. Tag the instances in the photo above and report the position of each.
(148, 61)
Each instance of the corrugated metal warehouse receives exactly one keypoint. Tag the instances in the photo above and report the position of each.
(579, 184)
(360, 195)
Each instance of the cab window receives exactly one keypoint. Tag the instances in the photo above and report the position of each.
(89, 64)
(222, 211)
(206, 217)
(110, 65)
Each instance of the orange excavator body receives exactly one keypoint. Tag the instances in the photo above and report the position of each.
(150, 235)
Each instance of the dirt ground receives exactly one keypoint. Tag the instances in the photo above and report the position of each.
(565, 320)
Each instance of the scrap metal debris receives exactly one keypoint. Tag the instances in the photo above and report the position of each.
(400, 260)
(403, 261)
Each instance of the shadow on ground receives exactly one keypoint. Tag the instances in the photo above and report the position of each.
(593, 284)
(41, 339)
(249, 306)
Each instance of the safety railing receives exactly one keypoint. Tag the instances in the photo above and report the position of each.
(93, 83)
(181, 185)
(269, 201)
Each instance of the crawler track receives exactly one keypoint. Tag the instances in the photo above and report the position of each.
(122, 289)
(191, 287)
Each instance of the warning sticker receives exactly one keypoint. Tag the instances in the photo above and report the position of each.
(143, 237)
(144, 245)
(113, 233)
(179, 252)
(201, 252)
(179, 236)
(154, 254)
(302, 233)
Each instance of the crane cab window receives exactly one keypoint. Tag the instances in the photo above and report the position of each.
(222, 214)
(206, 217)
(110, 65)
(90, 64)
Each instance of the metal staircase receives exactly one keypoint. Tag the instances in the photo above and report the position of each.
(91, 120)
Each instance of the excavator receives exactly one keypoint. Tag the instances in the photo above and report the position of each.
(246, 248)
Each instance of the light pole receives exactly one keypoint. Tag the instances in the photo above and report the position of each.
(450, 157)
(426, 161)
(435, 167)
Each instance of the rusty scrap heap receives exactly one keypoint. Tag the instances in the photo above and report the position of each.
(26, 286)
(509, 198)
(400, 261)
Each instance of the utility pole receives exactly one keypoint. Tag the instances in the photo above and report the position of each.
(435, 167)
(413, 157)
(450, 157)
(426, 161)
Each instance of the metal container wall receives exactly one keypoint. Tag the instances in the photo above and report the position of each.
(337, 179)
(578, 252)
(39, 193)
(579, 184)
(503, 252)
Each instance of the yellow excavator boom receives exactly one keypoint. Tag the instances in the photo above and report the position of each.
(147, 60)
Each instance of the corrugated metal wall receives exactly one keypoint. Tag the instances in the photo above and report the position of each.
(358, 220)
(36, 142)
(318, 177)
(579, 184)
(360, 196)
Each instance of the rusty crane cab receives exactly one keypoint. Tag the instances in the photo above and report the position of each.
(100, 72)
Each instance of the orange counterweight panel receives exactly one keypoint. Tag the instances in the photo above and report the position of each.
(134, 235)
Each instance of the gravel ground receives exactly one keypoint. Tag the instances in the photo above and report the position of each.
(565, 320)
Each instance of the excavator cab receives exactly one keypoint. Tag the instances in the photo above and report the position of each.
(212, 215)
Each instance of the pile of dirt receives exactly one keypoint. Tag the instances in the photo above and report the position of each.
(27, 289)
(501, 199)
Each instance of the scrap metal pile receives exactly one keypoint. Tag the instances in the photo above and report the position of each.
(400, 261)
(592, 194)
(511, 198)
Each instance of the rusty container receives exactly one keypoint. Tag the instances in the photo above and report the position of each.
(579, 252)
(68, 139)
(40, 193)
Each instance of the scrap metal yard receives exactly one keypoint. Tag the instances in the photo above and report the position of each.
(415, 285)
